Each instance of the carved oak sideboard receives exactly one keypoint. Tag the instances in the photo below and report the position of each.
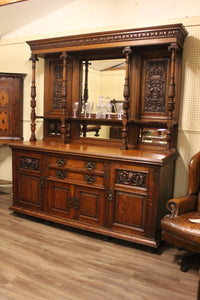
(117, 194)
(79, 174)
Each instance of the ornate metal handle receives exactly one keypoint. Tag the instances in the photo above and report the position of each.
(42, 182)
(61, 161)
(72, 202)
(76, 203)
(90, 165)
(61, 174)
(89, 179)
(110, 195)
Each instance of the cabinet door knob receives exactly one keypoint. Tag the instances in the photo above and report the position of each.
(110, 196)
(72, 202)
(42, 183)
(76, 203)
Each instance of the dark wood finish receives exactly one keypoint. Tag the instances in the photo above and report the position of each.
(106, 190)
(99, 185)
(152, 83)
(34, 59)
(11, 106)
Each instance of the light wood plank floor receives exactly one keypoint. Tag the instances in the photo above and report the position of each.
(52, 262)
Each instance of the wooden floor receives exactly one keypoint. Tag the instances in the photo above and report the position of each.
(39, 261)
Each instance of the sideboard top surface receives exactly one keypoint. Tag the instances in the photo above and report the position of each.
(154, 157)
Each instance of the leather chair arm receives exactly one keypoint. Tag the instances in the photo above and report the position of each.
(178, 206)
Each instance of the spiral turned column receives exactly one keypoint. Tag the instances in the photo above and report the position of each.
(33, 58)
(127, 51)
(173, 48)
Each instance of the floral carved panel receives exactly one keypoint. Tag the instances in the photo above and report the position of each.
(155, 85)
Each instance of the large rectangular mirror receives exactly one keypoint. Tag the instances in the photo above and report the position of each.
(102, 92)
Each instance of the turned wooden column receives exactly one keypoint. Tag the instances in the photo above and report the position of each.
(64, 57)
(85, 93)
(127, 51)
(33, 58)
(171, 94)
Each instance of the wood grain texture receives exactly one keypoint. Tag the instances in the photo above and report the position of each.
(41, 261)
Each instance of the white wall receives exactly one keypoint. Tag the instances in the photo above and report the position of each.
(81, 16)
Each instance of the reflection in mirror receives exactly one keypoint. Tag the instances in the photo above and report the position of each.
(103, 84)
(101, 131)
(153, 136)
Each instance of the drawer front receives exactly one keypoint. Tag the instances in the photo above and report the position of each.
(130, 176)
(29, 162)
(74, 177)
(86, 165)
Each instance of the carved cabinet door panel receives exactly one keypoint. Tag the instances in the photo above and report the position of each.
(128, 199)
(28, 182)
(61, 199)
(89, 205)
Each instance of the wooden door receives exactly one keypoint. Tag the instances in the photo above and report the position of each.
(89, 205)
(128, 199)
(60, 197)
(28, 181)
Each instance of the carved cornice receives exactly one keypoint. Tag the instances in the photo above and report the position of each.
(168, 34)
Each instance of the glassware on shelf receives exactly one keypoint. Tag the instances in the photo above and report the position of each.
(109, 109)
(120, 110)
(89, 109)
(101, 100)
(75, 108)
(85, 109)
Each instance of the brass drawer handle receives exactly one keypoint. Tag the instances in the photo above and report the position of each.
(61, 161)
(89, 179)
(90, 166)
(61, 174)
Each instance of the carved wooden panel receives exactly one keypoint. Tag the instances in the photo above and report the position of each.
(29, 163)
(131, 178)
(57, 85)
(155, 85)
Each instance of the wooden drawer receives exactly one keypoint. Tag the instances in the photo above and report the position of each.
(129, 176)
(75, 163)
(75, 177)
(29, 163)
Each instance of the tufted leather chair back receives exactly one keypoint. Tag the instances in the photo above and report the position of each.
(194, 178)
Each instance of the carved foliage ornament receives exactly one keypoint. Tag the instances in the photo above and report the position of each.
(131, 178)
(57, 86)
(155, 85)
(29, 163)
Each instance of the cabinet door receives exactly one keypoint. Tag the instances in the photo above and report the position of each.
(127, 211)
(28, 181)
(60, 197)
(89, 205)
(128, 199)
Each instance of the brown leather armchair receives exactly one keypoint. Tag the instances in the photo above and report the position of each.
(177, 227)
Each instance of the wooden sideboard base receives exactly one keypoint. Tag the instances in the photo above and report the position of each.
(103, 231)
(114, 192)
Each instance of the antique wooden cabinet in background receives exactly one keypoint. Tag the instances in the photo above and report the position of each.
(118, 186)
(11, 106)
